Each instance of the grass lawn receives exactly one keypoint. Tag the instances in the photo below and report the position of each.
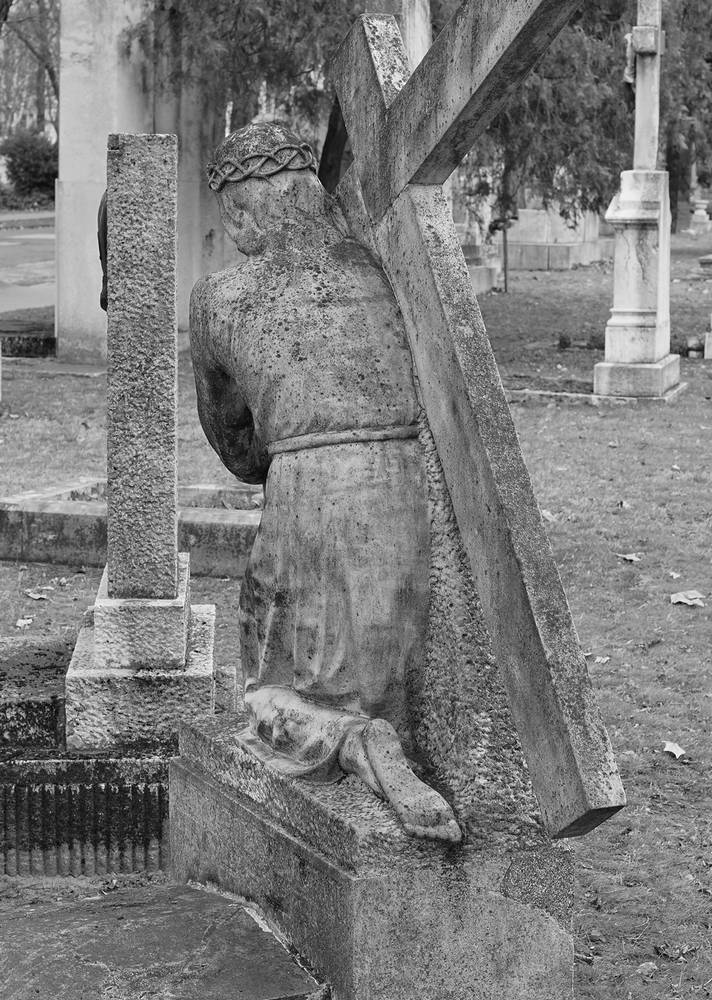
(613, 481)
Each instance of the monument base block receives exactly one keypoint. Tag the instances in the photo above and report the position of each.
(109, 707)
(377, 914)
(655, 379)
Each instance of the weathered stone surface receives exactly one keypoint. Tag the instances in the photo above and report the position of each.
(140, 633)
(378, 914)
(32, 690)
(535, 644)
(140, 941)
(425, 130)
(109, 706)
(461, 723)
(142, 366)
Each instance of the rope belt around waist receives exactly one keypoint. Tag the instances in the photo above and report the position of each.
(358, 434)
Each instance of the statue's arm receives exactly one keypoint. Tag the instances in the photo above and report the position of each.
(224, 415)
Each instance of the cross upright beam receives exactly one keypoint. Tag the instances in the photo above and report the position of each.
(648, 45)
(534, 640)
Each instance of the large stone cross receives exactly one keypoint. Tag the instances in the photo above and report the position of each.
(408, 133)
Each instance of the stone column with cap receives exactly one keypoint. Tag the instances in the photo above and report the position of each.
(143, 661)
(638, 361)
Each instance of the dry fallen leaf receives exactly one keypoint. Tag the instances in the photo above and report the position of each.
(548, 516)
(602, 659)
(647, 969)
(36, 596)
(674, 575)
(630, 556)
(692, 597)
(674, 749)
(23, 622)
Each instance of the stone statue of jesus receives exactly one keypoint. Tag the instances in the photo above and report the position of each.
(305, 384)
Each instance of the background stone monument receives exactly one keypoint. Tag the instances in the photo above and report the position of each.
(637, 359)
(108, 87)
(376, 913)
(145, 660)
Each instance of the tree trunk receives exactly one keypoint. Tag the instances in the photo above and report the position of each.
(40, 99)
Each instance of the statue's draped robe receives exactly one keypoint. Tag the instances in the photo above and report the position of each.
(305, 383)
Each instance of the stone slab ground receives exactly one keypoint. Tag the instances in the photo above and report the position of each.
(138, 938)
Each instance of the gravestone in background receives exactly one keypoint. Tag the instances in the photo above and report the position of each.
(638, 361)
(503, 715)
(145, 660)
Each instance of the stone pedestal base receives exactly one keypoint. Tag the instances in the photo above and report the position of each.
(637, 362)
(700, 222)
(654, 379)
(109, 706)
(377, 914)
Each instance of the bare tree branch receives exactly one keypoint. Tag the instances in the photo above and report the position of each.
(42, 56)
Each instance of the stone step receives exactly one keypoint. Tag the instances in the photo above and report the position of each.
(65, 526)
(66, 814)
(27, 338)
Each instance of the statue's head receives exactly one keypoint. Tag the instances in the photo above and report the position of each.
(259, 173)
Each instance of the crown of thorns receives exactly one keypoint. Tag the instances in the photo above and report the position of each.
(286, 157)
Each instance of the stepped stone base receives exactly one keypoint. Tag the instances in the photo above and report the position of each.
(377, 914)
(655, 379)
(108, 706)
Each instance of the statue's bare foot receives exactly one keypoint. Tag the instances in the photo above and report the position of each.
(421, 810)
(354, 760)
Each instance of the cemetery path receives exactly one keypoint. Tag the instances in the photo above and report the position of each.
(625, 491)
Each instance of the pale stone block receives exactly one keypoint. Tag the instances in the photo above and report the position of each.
(143, 634)
(708, 345)
(378, 915)
(80, 324)
(655, 379)
(101, 92)
(108, 707)
(142, 538)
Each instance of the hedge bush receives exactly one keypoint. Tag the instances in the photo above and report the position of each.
(31, 164)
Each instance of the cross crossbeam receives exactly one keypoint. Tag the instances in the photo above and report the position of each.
(429, 121)
(564, 740)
